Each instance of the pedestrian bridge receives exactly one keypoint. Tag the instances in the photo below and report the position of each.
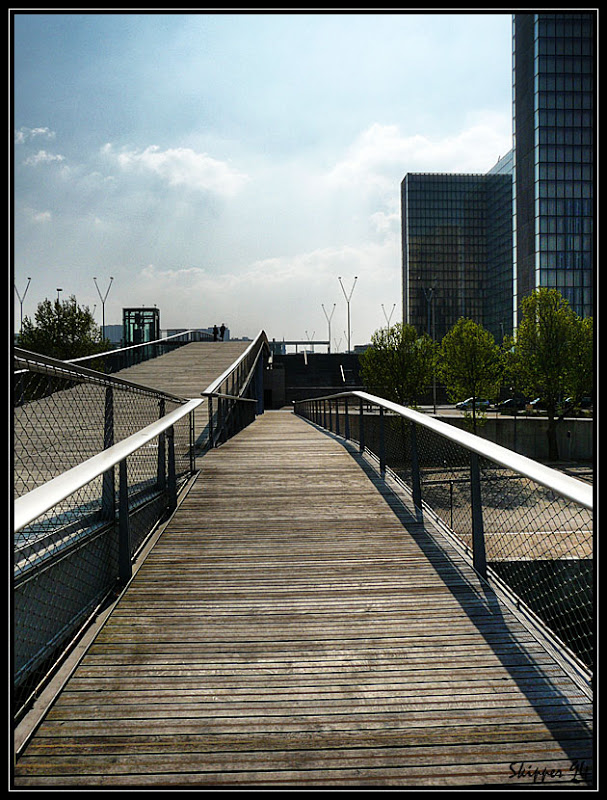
(351, 595)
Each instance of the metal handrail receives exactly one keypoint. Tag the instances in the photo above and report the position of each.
(70, 371)
(258, 343)
(132, 347)
(565, 485)
(39, 500)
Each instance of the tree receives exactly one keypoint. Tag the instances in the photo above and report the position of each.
(553, 356)
(470, 364)
(398, 365)
(62, 330)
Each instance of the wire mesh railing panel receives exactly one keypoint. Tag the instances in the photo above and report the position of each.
(520, 532)
(541, 545)
(68, 559)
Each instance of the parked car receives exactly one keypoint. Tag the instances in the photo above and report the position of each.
(511, 404)
(537, 403)
(585, 402)
(478, 402)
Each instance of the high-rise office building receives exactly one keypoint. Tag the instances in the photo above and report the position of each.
(457, 254)
(553, 106)
(475, 245)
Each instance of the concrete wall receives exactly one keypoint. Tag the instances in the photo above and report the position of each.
(527, 435)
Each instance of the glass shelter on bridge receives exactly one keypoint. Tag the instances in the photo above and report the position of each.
(140, 325)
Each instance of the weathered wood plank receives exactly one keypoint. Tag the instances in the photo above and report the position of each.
(289, 629)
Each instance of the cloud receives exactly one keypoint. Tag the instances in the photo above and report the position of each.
(182, 166)
(283, 295)
(382, 154)
(42, 157)
(24, 135)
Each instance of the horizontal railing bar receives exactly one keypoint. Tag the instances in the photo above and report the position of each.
(132, 347)
(70, 371)
(229, 397)
(32, 505)
(258, 342)
(565, 485)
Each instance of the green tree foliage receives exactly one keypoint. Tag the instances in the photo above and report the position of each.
(552, 356)
(398, 365)
(470, 364)
(62, 330)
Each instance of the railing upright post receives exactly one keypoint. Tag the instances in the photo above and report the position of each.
(108, 487)
(192, 443)
(324, 414)
(172, 479)
(382, 442)
(210, 407)
(259, 382)
(330, 427)
(161, 467)
(125, 569)
(361, 427)
(337, 417)
(346, 420)
(479, 559)
(415, 474)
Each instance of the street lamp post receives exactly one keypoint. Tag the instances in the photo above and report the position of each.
(388, 318)
(348, 298)
(103, 298)
(21, 299)
(329, 318)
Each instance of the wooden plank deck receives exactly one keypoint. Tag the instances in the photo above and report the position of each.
(294, 626)
(187, 371)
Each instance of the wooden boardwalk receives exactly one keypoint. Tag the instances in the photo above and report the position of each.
(187, 372)
(295, 626)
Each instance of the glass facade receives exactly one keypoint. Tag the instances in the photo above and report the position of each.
(553, 96)
(457, 253)
(475, 245)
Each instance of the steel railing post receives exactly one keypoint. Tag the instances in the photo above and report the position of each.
(337, 417)
(108, 497)
(346, 420)
(415, 474)
(172, 477)
(125, 569)
(161, 468)
(479, 559)
(210, 407)
(361, 426)
(382, 442)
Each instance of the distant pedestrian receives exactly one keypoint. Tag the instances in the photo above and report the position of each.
(222, 331)
(215, 333)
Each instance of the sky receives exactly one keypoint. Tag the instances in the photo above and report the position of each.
(231, 167)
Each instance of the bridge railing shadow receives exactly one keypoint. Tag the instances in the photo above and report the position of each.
(527, 528)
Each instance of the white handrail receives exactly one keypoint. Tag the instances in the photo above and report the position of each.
(565, 485)
(212, 387)
(35, 503)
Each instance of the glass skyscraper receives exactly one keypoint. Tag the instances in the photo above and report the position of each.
(457, 236)
(475, 245)
(553, 112)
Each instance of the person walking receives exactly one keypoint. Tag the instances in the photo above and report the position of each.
(222, 331)
(215, 332)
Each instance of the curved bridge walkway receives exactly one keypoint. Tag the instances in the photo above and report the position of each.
(294, 625)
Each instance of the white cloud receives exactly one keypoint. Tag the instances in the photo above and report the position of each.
(24, 135)
(42, 157)
(382, 154)
(183, 166)
(283, 295)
